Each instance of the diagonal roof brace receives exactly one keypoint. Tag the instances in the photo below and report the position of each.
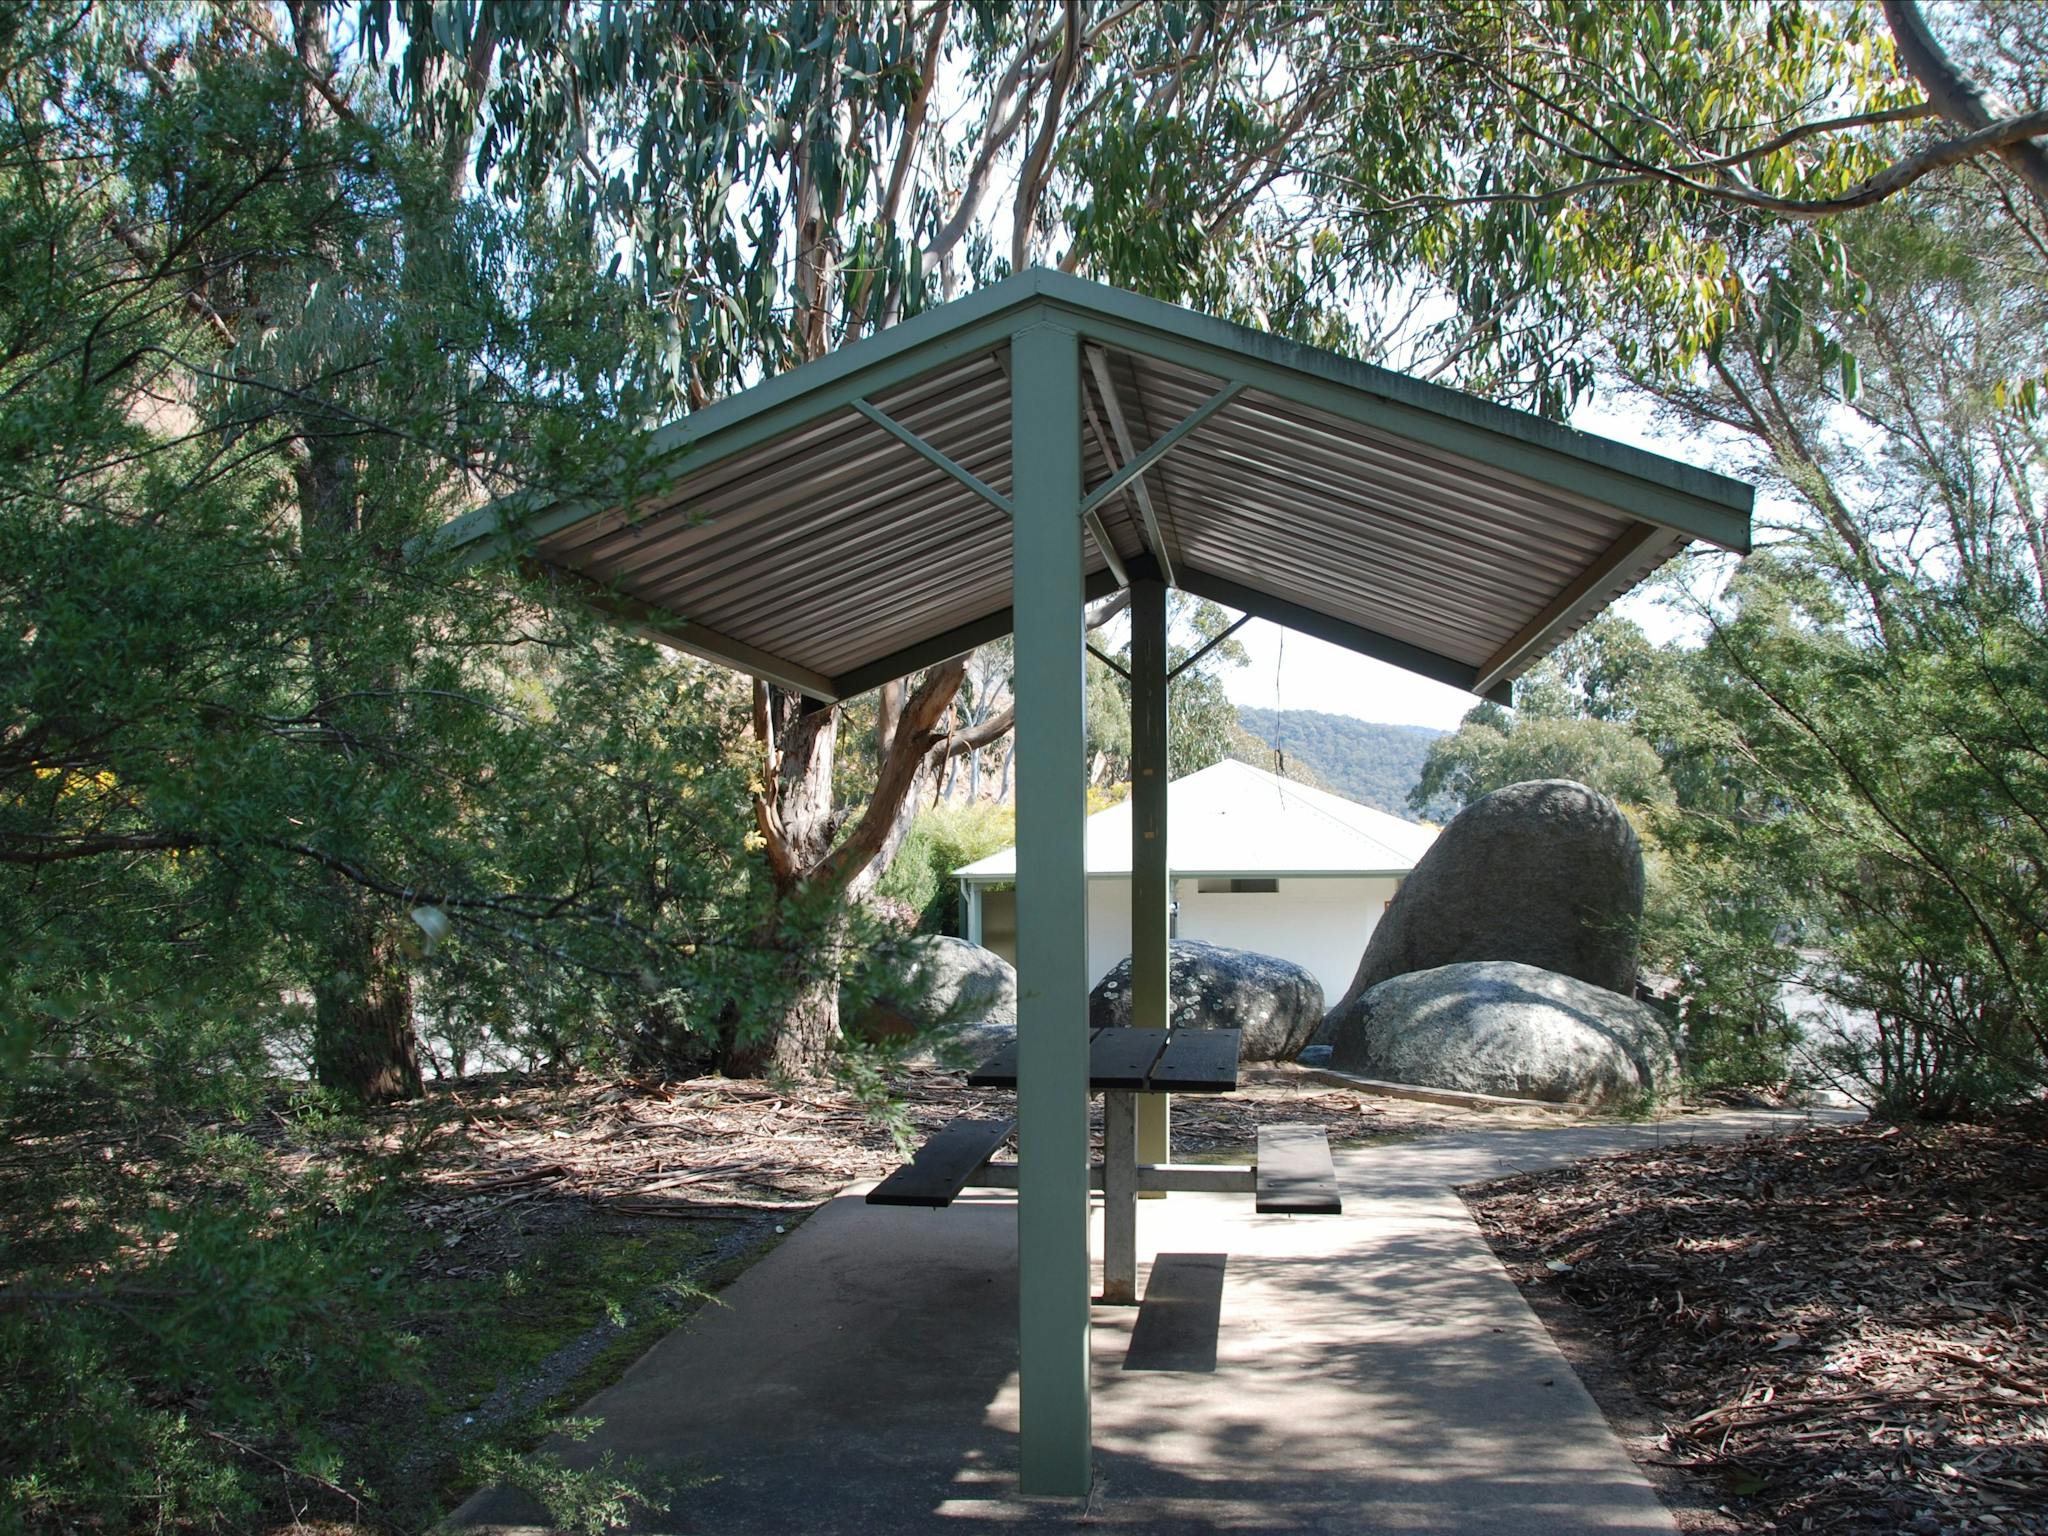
(931, 455)
(1155, 541)
(1242, 620)
(1109, 661)
(1167, 442)
(1103, 542)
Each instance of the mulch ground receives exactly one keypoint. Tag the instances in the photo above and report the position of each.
(1840, 1331)
(494, 1156)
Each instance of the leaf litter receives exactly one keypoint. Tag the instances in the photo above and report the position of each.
(1841, 1331)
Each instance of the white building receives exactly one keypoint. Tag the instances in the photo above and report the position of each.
(1256, 862)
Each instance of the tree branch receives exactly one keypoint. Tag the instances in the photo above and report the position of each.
(916, 735)
(1962, 100)
(1031, 178)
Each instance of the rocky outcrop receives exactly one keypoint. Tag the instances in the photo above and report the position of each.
(1547, 873)
(1275, 1002)
(964, 994)
(1495, 1026)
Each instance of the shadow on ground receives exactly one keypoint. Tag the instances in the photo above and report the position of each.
(1374, 1372)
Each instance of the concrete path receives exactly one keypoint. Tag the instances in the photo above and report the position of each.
(1374, 1372)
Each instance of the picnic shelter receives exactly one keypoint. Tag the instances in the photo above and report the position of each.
(991, 466)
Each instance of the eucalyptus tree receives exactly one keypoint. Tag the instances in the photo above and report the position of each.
(1819, 236)
(1634, 179)
(1872, 683)
(771, 181)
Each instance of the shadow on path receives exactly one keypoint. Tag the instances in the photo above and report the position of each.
(1371, 1372)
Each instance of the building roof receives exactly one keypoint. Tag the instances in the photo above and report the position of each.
(846, 523)
(1234, 819)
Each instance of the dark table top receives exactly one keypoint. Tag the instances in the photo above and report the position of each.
(1139, 1061)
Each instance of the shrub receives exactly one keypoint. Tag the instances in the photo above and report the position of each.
(943, 838)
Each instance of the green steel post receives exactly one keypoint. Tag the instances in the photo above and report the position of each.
(1052, 907)
(1151, 881)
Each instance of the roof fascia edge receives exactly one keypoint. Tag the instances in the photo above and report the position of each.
(923, 344)
(1647, 486)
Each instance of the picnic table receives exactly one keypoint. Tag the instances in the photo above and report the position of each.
(1293, 1174)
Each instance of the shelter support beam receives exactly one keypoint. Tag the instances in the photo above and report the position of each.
(1151, 879)
(1052, 905)
(1353, 637)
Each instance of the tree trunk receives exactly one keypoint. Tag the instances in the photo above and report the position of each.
(363, 1042)
(805, 1028)
(364, 1048)
(797, 822)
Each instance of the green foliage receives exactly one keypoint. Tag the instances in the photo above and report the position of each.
(944, 837)
(580, 1501)
(1862, 756)
(1491, 750)
(1615, 191)
(259, 770)
(1891, 800)
(1712, 926)
(167, 1303)
(1376, 765)
(1579, 714)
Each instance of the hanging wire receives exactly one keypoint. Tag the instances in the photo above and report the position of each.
(1279, 755)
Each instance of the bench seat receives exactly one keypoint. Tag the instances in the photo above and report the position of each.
(940, 1169)
(1296, 1174)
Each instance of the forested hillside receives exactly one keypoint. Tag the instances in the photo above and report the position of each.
(1373, 764)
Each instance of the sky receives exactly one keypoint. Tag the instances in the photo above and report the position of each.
(1289, 670)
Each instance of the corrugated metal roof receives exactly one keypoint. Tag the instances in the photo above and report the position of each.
(1234, 819)
(794, 536)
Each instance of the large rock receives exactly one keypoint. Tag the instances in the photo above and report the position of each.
(1495, 1026)
(1275, 1002)
(1548, 873)
(964, 994)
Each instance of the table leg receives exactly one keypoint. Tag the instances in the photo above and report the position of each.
(1155, 1134)
(1120, 1199)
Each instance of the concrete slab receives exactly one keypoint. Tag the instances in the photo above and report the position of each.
(1374, 1372)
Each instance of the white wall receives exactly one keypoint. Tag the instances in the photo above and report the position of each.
(1322, 924)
